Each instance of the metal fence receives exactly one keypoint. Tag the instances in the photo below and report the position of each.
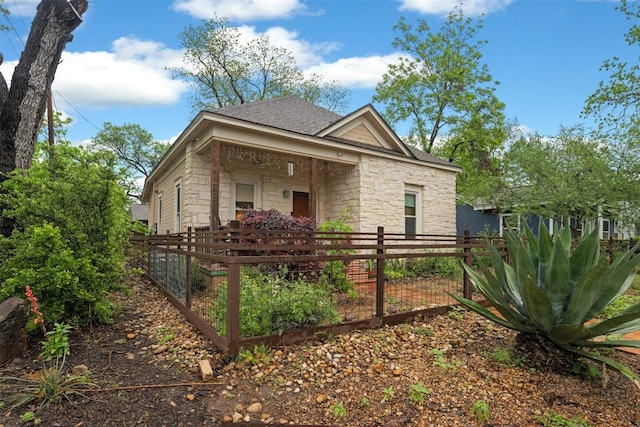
(243, 287)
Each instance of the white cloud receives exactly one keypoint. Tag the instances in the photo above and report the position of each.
(362, 72)
(443, 7)
(132, 74)
(240, 10)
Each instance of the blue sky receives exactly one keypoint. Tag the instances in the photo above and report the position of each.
(546, 54)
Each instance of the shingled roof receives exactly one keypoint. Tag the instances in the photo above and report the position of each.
(289, 113)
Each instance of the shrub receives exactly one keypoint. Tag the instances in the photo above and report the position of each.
(334, 273)
(271, 304)
(301, 232)
(550, 293)
(67, 287)
(448, 267)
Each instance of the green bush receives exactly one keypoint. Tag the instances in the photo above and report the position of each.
(447, 267)
(71, 228)
(271, 304)
(66, 286)
(334, 273)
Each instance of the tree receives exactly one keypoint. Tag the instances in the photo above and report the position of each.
(135, 149)
(22, 106)
(567, 176)
(616, 103)
(441, 86)
(226, 71)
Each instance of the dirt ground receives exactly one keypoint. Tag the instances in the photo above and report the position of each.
(450, 370)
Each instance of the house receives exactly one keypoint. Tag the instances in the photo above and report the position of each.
(296, 157)
(139, 212)
(483, 218)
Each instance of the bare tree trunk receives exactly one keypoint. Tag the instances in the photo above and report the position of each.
(22, 109)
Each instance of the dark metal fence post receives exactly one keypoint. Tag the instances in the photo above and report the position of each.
(233, 307)
(380, 275)
(467, 290)
(188, 272)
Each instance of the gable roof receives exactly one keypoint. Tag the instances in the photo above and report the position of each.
(289, 113)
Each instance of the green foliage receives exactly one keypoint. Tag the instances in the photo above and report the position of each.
(136, 151)
(338, 410)
(417, 393)
(388, 393)
(457, 312)
(480, 411)
(364, 402)
(395, 269)
(67, 287)
(164, 335)
(550, 293)
(441, 361)
(260, 354)
(271, 304)
(505, 356)
(555, 419)
(56, 345)
(441, 266)
(71, 231)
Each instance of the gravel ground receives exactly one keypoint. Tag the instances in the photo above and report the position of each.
(451, 370)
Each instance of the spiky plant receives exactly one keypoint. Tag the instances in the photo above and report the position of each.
(554, 294)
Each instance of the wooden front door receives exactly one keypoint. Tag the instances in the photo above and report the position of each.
(300, 204)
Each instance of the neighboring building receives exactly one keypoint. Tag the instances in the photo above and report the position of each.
(140, 212)
(487, 219)
(293, 156)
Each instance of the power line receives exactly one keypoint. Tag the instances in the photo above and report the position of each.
(76, 110)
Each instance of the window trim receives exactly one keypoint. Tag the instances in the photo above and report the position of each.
(417, 192)
(177, 206)
(159, 218)
(502, 222)
(256, 193)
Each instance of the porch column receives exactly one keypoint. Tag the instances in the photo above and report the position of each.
(214, 221)
(313, 188)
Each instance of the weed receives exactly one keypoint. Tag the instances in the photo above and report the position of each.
(442, 362)
(56, 344)
(417, 393)
(364, 402)
(505, 356)
(120, 341)
(164, 335)
(421, 330)
(556, 419)
(587, 370)
(30, 416)
(457, 312)
(387, 394)
(338, 410)
(260, 354)
(480, 411)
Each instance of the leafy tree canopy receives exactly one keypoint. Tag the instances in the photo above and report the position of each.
(135, 149)
(226, 70)
(441, 86)
(569, 175)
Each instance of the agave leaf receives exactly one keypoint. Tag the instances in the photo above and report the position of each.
(584, 294)
(538, 306)
(624, 370)
(510, 319)
(545, 249)
(585, 256)
(618, 278)
(564, 334)
(609, 343)
(519, 257)
(556, 280)
(627, 321)
(489, 286)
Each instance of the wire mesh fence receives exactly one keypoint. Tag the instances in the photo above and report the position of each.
(241, 287)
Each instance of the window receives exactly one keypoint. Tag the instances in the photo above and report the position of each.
(178, 223)
(606, 229)
(509, 222)
(159, 221)
(410, 214)
(245, 199)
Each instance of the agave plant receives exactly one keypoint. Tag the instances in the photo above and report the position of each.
(555, 294)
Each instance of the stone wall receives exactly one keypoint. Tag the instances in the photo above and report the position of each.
(13, 337)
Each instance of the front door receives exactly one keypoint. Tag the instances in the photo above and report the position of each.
(300, 204)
